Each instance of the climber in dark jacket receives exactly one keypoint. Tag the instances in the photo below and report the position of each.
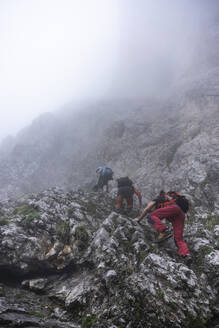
(174, 211)
(126, 191)
(105, 175)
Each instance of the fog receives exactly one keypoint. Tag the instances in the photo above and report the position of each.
(53, 52)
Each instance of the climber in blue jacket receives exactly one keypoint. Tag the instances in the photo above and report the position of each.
(105, 175)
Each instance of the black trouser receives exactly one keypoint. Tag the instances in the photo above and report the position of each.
(127, 194)
(103, 181)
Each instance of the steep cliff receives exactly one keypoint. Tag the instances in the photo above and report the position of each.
(159, 144)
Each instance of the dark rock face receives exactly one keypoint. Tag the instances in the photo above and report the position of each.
(68, 260)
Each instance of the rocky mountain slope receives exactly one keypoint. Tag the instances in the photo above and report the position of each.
(160, 143)
(68, 260)
(171, 144)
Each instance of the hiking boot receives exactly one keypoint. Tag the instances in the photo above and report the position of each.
(187, 259)
(163, 236)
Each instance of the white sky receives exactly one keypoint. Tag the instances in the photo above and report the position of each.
(53, 51)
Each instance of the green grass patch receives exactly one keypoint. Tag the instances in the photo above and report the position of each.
(160, 293)
(2, 292)
(142, 255)
(81, 237)
(28, 219)
(211, 222)
(89, 206)
(71, 212)
(127, 246)
(24, 209)
(173, 305)
(36, 314)
(196, 322)
(63, 231)
(4, 220)
(88, 321)
(2, 213)
(203, 251)
(33, 215)
(29, 214)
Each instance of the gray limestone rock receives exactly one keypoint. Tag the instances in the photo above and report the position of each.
(100, 268)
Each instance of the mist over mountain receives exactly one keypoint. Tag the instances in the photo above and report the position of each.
(101, 50)
(67, 258)
(162, 143)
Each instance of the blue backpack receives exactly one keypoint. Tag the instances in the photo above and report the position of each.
(108, 172)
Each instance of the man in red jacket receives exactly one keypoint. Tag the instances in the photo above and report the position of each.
(172, 209)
